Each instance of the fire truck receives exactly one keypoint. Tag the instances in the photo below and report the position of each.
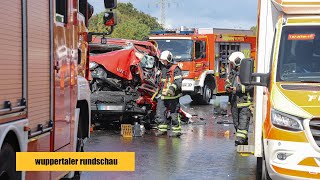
(203, 56)
(286, 138)
(44, 96)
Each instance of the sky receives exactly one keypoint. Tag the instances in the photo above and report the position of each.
(235, 14)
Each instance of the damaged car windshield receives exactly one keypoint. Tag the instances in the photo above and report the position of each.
(299, 54)
(147, 62)
(181, 49)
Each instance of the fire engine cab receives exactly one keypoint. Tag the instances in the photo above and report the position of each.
(202, 57)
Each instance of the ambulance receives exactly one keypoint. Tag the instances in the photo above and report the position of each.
(286, 101)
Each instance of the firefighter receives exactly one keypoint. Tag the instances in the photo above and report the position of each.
(241, 100)
(170, 93)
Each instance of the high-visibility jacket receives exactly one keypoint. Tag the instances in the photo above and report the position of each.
(171, 78)
(243, 94)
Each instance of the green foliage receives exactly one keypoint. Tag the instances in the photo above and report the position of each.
(254, 29)
(132, 24)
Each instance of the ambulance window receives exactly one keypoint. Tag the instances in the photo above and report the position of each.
(298, 59)
(62, 11)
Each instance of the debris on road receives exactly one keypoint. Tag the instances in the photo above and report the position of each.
(227, 134)
(126, 130)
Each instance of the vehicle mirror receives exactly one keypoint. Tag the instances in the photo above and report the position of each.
(110, 19)
(110, 4)
(90, 10)
(89, 37)
(247, 77)
(246, 70)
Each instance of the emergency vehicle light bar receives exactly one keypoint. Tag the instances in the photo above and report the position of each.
(163, 32)
(171, 32)
(186, 32)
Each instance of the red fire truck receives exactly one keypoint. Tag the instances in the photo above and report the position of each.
(203, 55)
(44, 96)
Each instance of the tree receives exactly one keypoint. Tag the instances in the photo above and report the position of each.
(254, 29)
(132, 24)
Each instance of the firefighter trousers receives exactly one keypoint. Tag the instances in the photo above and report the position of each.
(163, 106)
(241, 117)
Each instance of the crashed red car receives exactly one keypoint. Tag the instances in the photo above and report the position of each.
(123, 81)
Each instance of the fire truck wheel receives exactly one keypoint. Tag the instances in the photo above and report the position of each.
(206, 96)
(195, 98)
(8, 163)
(79, 147)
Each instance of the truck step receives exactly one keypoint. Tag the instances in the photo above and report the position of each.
(245, 150)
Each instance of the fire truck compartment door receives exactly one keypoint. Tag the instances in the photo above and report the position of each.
(39, 65)
(11, 64)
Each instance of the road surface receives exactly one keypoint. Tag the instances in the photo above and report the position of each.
(205, 151)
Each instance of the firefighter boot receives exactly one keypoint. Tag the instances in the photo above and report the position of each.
(241, 137)
(175, 126)
(241, 141)
(161, 130)
(175, 131)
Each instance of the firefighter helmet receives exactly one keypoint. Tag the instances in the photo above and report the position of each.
(236, 57)
(167, 56)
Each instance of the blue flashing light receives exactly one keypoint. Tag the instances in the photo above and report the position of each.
(186, 32)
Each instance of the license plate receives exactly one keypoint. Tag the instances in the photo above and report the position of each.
(110, 107)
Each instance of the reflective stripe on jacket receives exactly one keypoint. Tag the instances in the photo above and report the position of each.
(244, 95)
(171, 79)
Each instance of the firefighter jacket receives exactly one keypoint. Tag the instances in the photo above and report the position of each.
(230, 79)
(171, 78)
(243, 94)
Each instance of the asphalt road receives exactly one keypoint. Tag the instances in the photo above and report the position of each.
(205, 151)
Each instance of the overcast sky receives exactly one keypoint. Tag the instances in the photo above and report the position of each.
(198, 13)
